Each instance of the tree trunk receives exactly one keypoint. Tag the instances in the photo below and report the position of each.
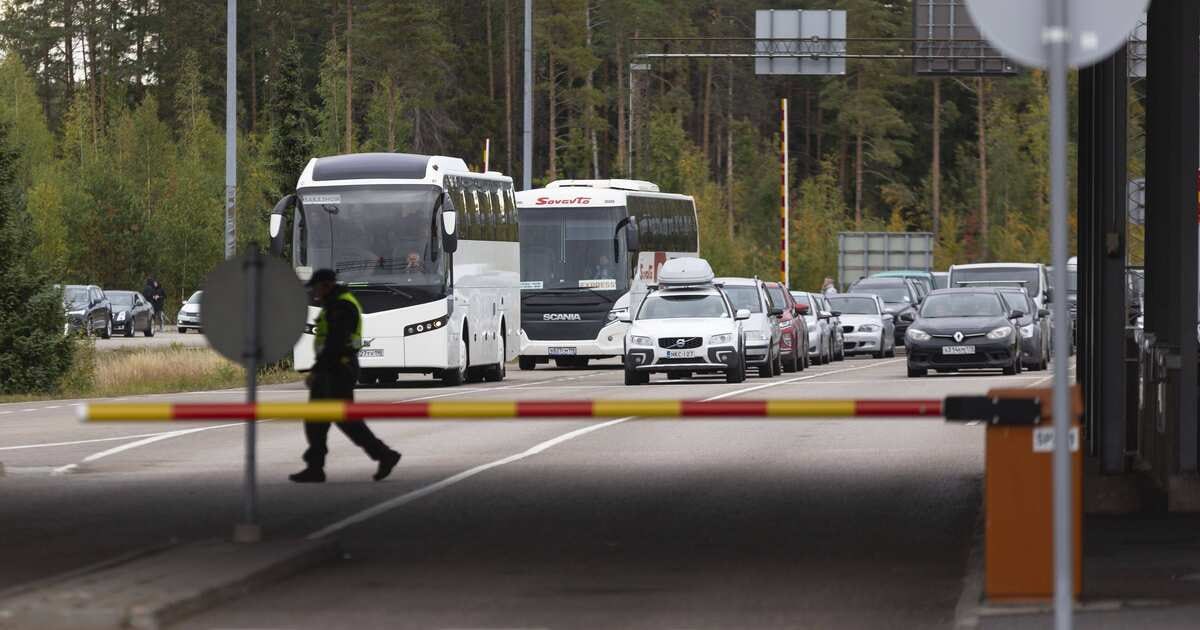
(808, 157)
(843, 155)
(820, 132)
(729, 159)
(253, 73)
(980, 110)
(937, 157)
(349, 77)
(69, 43)
(552, 116)
(622, 138)
(590, 115)
(487, 19)
(391, 115)
(706, 125)
(508, 87)
(858, 178)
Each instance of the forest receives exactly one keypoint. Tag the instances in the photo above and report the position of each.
(114, 112)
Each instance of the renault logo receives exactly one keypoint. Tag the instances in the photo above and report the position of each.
(958, 337)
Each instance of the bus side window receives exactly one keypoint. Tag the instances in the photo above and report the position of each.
(487, 212)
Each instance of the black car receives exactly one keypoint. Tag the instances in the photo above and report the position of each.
(964, 329)
(88, 310)
(131, 313)
(1034, 327)
(899, 298)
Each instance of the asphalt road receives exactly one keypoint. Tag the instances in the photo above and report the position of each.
(540, 524)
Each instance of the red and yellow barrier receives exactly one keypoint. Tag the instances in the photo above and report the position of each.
(435, 410)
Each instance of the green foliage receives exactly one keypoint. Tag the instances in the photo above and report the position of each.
(34, 352)
(291, 129)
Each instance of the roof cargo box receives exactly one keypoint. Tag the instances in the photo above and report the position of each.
(679, 272)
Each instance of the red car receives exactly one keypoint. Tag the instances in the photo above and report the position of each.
(793, 344)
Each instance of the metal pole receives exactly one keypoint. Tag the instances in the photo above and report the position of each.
(1055, 37)
(783, 193)
(630, 121)
(231, 130)
(527, 128)
(248, 531)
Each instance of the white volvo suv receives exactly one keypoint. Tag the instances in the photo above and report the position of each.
(686, 326)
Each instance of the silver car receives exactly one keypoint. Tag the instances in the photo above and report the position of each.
(761, 332)
(820, 330)
(866, 325)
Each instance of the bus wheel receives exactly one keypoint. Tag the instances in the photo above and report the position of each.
(526, 363)
(458, 375)
(496, 373)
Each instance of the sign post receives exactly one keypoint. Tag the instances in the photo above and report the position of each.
(1057, 34)
(233, 305)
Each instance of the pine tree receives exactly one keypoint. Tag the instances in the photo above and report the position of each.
(291, 126)
(34, 353)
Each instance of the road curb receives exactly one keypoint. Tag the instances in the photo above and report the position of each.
(153, 590)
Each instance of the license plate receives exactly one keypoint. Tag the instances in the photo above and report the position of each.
(373, 353)
(561, 351)
(681, 354)
(958, 349)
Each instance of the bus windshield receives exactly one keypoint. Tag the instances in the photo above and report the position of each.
(572, 248)
(376, 236)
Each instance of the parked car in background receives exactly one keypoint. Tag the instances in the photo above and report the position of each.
(820, 337)
(964, 329)
(189, 314)
(793, 330)
(899, 299)
(924, 279)
(866, 325)
(941, 279)
(1034, 327)
(131, 313)
(88, 310)
(761, 330)
(835, 327)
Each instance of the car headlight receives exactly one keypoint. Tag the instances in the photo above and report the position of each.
(75, 313)
(121, 316)
(1027, 331)
(758, 335)
(1000, 333)
(640, 341)
(869, 328)
(717, 340)
(916, 334)
(615, 315)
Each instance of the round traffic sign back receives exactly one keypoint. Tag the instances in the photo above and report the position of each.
(282, 308)
(1095, 28)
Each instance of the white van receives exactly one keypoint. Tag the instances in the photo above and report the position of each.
(1030, 276)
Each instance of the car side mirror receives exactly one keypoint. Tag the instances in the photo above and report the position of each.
(1049, 295)
(1016, 314)
(907, 317)
(742, 314)
(887, 317)
(449, 233)
(802, 309)
(1042, 312)
(826, 315)
(836, 313)
(775, 312)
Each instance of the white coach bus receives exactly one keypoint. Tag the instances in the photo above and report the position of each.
(589, 248)
(429, 249)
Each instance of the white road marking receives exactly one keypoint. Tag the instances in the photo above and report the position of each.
(424, 491)
(77, 442)
(61, 470)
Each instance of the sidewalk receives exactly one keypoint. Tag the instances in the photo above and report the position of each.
(1139, 571)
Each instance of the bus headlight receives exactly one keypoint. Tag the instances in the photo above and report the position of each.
(429, 326)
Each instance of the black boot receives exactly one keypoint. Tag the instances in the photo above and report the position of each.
(309, 475)
(386, 464)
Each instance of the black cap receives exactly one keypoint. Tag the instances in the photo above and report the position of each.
(322, 275)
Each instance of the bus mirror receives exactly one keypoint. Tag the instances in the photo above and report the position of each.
(449, 236)
(632, 242)
(276, 225)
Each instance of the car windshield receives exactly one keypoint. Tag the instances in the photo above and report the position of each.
(572, 248)
(744, 297)
(961, 305)
(120, 298)
(996, 277)
(890, 293)
(75, 296)
(854, 305)
(376, 236)
(675, 306)
(195, 299)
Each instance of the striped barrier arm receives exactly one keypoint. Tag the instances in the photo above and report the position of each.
(335, 411)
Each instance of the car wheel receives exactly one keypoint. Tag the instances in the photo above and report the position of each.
(129, 330)
(1015, 368)
(182, 331)
(916, 372)
(634, 377)
(107, 334)
(736, 373)
(149, 332)
(527, 363)
(879, 355)
(891, 353)
(792, 364)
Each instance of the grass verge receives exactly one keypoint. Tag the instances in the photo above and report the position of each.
(162, 370)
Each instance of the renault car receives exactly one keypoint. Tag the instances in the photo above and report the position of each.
(963, 329)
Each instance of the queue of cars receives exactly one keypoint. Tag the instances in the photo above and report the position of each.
(90, 310)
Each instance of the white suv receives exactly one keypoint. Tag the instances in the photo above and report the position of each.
(686, 326)
(762, 329)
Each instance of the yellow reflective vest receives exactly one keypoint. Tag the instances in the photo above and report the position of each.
(322, 331)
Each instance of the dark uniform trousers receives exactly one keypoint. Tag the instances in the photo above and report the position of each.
(337, 384)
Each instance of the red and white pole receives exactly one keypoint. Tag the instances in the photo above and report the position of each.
(783, 194)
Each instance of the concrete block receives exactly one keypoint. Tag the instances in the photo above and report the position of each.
(154, 590)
